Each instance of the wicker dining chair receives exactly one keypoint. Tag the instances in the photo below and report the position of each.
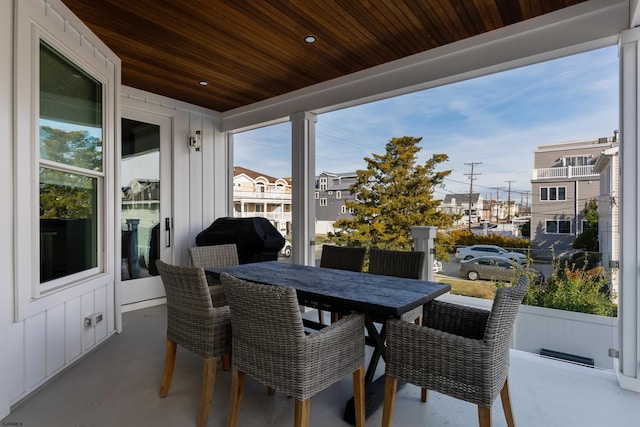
(193, 323)
(341, 258)
(406, 264)
(460, 351)
(210, 257)
(270, 345)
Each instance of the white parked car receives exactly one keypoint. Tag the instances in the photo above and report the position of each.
(286, 249)
(474, 251)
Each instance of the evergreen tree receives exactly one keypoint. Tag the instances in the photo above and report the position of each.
(588, 239)
(393, 194)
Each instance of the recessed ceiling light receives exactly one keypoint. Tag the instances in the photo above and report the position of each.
(203, 83)
(310, 39)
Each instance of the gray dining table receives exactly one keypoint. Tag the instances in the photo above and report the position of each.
(378, 297)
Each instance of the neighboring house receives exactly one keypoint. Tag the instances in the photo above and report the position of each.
(141, 190)
(500, 210)
(564, 178)
(140, 213)
(608, 166)
(257, 194)
(458, 204)
(332, 191)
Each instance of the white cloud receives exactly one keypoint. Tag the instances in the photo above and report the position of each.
(498, 120)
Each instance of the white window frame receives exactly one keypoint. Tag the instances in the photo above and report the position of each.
(323, 184)
(557, 188)
(338, 194)
(69, 37)
(569, 160)
(323, 201)
(557, 221)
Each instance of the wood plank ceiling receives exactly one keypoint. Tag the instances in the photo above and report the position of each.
(252, 50)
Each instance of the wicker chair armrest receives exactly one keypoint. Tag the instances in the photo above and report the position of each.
(337, 349)
(455, 319)
(432, 352)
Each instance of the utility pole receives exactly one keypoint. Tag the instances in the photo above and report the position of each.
(471, 178)
(509, 202)
(497, 204)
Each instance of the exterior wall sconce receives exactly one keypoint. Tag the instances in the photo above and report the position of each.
(196, 141)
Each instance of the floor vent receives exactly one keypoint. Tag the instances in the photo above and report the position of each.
(587, 361)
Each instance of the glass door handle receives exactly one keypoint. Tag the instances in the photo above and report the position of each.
(167, 232)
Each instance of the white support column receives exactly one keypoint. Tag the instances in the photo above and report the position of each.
(230, 185)
(423, 240)
(629, 297)
(303, 165)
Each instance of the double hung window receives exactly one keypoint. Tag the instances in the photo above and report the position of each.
(70, 169)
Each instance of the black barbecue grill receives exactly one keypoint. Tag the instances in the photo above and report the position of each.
(256, 238)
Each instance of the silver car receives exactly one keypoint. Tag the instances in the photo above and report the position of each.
(496, 269)
(473, 251)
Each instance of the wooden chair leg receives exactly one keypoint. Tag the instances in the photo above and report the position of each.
(358, 396)
(506, 404)
(321, 316)
(169, 362)
(301, 413)
(390, 389)
(208, 383)
(226, 361)
(424, 392)
(237, 386)
(271, 391)
(484, 416)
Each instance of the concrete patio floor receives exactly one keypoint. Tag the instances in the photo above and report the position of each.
(117, 385)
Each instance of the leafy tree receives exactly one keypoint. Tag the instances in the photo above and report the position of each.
(73, 147)
(588, 239)
(393, 194)
(65, 195)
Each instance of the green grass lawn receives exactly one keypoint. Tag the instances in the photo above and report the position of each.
(478, 289)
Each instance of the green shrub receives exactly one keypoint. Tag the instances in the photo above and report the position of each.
(574, 289)
(467, 238)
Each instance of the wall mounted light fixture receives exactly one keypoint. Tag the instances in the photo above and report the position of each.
(196, 141)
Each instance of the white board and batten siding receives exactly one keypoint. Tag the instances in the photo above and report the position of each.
(45, 333)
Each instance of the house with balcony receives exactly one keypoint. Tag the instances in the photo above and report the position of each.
(331, 194)
(201, 73)
(257, 194)
(563, 180)
(458, 204)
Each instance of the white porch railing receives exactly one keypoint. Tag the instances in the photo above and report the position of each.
(564, 172)
(268, 195)
(273, 216)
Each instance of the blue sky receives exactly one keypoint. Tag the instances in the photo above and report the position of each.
(498, 120)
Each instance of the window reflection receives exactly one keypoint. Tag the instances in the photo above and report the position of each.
(70, 170)
(140, 199)
(67, 224)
